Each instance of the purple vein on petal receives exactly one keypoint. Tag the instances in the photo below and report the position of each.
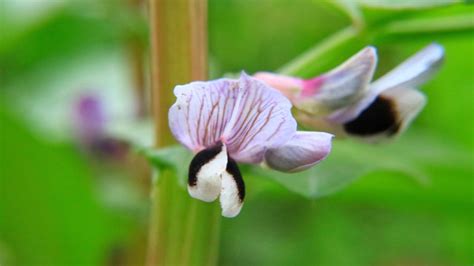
(186, 115)
(267, 119)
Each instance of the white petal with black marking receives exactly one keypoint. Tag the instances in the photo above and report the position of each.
(232, 190)
(388, 115)
(408, 102)
(205, 170)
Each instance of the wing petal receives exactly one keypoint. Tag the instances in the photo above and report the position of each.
(304, 150)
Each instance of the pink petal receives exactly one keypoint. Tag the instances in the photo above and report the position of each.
(342, 86)
(289, 86)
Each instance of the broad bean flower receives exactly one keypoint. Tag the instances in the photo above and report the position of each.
(89, 124)
(226, 121)
(344, 101)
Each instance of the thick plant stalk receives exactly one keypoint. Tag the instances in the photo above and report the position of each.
(138, 77)
(135, 49)
(183, 231)
(179, 53)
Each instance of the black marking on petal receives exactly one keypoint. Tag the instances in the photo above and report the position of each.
(380, 116)
(200, 159)
(234, 171)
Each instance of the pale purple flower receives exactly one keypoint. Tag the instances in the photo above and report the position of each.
(89, 122)
(89, 117)
(227, 121)
(345, 101)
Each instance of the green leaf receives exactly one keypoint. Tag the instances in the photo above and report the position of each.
(352, 9)
(175, 158)
(410, 156)
(350, 160)
(138, 133)
(450, 23)
(406, 4)
(287, 30)
(335, 48)
(50, 213)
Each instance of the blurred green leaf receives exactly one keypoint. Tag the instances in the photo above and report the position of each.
(313, 59)
(266, 34)
(64, 35)
(175, 158)
(49, 211)
(138, 133)
(351, 8)
(388, 27)
(450, 23)
(350, 160)
(406, 4)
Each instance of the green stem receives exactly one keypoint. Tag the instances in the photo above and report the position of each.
(304, 62)
(135, 51)
(429, 25)
(183, 231)
(352, 9)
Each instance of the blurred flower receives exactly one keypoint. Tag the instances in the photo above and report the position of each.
(227, 121)
(90, 121)
(89, 117)
(343, 102)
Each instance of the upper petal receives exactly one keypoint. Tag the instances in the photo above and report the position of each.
(301, 152)
(201, 112)
(261, 119)
(413, 71)
(340, 87)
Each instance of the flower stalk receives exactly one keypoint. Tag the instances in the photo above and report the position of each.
(182, 230)
(302, 64)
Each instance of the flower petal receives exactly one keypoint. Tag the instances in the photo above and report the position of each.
(304, 150)
(261, 119)
(202, 111)
(414, 71)
(205, 170)
(89, 117)
(232, 191)
(388, 115)
(340, 87)
(289, 86)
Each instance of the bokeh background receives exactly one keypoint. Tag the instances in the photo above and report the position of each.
(67, 200)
